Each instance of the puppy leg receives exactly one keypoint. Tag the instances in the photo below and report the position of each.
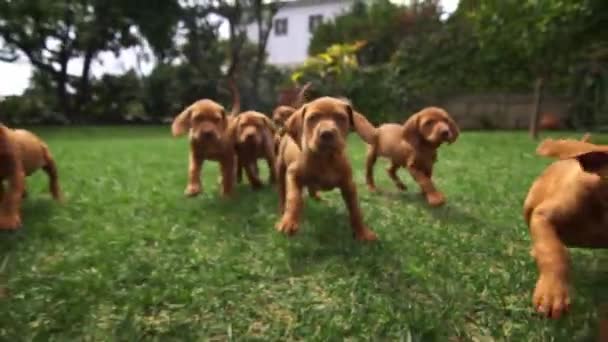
(433, 196)
(551, 296)
(270, 157)
(272, 175)
(227, 170)
(239, 170)
(392, 173)
(10, 207)
(360, 231)
(281, 171)
(293, 205)
(194, 176)
(370, 161)
(51, 170)
(252, 175)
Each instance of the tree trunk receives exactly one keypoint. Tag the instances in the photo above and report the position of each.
(263, 35)
(85, 81)
(538, 100)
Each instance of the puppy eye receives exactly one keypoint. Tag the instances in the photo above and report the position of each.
(429, 122)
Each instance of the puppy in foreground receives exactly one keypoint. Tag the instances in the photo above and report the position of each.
(252, 133)
(21, 154)
(412, 145)
(567, 206)
(207, 123)
(313, 155)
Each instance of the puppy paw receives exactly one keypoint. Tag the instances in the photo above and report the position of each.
(371, 188)
(287, 225)
(10, 222)
(192, 190)
(401, 186)
(365, 234)
(435, 199)
(551, 296)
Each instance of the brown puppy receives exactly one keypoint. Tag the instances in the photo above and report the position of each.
(313, 155)
(566, 207)
(252, 133)
(281, 114)
(413, 145)
(207, 123)
(21, 153)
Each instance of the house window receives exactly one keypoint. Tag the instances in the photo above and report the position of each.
(280, 27)
(314, 21)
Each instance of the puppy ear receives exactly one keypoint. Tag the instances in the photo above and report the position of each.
(453, 129)
(592, 157)
(411, 128)
(595, 161)
(293, 126)
(351, 119)
(181, 123)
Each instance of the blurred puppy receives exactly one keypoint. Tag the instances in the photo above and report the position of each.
(413, 145)
(313, 155)
(21, 154)
(281, 114)
(207, 123)
(252, 133)
(566, 206)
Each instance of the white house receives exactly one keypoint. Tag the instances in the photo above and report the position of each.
(293, 25)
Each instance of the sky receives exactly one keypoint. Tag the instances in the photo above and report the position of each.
(15, 76)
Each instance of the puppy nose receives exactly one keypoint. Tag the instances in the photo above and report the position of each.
(249, 137)
(207, 134)
(445, 134)
(327, 134)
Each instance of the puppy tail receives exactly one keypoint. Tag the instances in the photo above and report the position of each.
(301, 98)
(586, 137)
(236, 97)
(364, 128)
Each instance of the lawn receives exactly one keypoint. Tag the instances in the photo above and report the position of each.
(127, 257)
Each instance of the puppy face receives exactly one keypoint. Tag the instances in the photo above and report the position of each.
(251, 128)
(281, 114)
(434, 125)
(592, 158)
(205, 119)
(321, 125)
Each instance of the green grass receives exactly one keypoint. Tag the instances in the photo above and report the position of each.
(129, 258)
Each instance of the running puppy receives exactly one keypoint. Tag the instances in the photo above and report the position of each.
(313, 155)
(207, 123)
(21, 154)
(566, 207)
(412, 145)
(252, 133)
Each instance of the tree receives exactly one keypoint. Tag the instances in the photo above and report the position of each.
(541, 33)
(52, 33)
(263, 14)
